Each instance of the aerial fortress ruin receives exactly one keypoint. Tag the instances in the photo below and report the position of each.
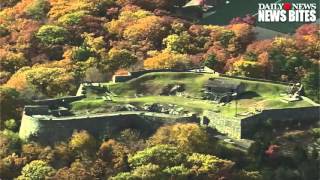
(50, 120)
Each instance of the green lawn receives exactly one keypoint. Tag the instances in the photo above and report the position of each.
(259, 95)
(153, 83)
(190, 104)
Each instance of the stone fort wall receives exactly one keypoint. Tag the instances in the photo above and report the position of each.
(50, 130)
(246, 127)
(279, 119)
(226, 125)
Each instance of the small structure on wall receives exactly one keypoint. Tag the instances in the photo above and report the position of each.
(293, 93)
(222, 90)
(121, 76)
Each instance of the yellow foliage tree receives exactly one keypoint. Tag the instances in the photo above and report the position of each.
(147, 28)
(62, 7)
(247, 68)
(19, 80)
(10, 61)
(167, 60)
(126, 18)
(49, 81)
(187, 137)
(82, 142)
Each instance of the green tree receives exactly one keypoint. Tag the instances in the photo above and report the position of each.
(11, 125)
(120, 59)
(10, 102)
(250, 56)
(36, 170)
(71, 19)
(12, 61)
(211, 61)
(162, 155)
(247, 68)
(148, 172)
(4, 31)
(178, 43)
(52, 35)
(124, 176)
(225, 37)
(51, 81)
(311, 83)
(95, 44)
(81, 53)
(38, 9)
(211, 166)
(9, 143)
(177, 172)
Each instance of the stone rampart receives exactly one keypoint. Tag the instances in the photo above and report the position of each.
(226, 125)
(46, 129)
(246, 127)
(279, 119)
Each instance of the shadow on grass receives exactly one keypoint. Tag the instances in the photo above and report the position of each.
(248, 95)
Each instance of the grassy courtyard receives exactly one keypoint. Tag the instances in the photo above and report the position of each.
(147, 89)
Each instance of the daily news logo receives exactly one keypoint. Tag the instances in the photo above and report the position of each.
(287, 12)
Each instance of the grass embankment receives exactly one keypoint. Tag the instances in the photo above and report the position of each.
(259, 95)
(153, 83)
